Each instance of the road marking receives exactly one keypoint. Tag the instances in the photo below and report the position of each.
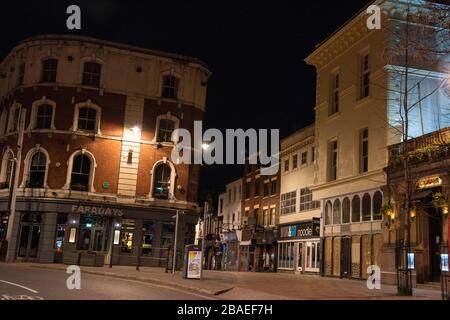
(20, 286)
(20, 297)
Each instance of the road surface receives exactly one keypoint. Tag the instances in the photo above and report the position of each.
(24, 283)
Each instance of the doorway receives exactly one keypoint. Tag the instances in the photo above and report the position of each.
(29, 238)
(300, 257)
(346, 253)
(312, 257)
(435, 242)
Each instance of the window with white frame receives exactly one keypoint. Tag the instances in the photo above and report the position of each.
(38, 168)
(91, 74)
(161, 181)
(306, 202)
(294, 161)
(7, 168)
(44, 116)
(365, 76)
(304, 160)
(335, 94)
(170, 87)
(165, 130)
(364, 150)
(288, 202)
(13, 119)
(87, 119)
(81, 173)
(49, 70)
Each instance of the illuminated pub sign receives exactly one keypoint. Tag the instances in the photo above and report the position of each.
(429, 182)
(97, 211)
(304, 230)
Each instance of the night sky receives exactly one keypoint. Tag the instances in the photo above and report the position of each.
(255, 50)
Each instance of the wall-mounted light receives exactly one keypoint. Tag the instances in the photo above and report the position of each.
(412, 213)
(445, 209)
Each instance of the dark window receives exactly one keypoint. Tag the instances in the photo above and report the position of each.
(333, 158)
(273, 187)
(365, 83)
(15, 120)
(377, 203)
(126, 239)
(265, 217)
(356, 209)
(335, 99)
(337, 212)
(49, 70)
(248, 190)
(87, 118)
(257, 187)
(170, 87)
(44, 116)
(21, 74)
(272, 216)
(165, 130)
(364, 151)
(81, 171)
(91, 74)
(313, 154)
(306, 202)
(266, 189)
(161, 181)
(37, 170)
(346, 210)
(256, 213)
(304, 158)
(286, 165)
(294, 161)
(366, 207)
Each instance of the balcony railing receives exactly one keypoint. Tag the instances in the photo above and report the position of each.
(428, 147)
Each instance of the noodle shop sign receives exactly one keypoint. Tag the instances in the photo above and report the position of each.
(429, 182)
(98, 211)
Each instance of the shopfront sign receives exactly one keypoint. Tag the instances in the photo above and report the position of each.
(97, 211)
(304, 230)
(429, 182)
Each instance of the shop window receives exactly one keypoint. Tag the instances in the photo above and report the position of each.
(91, 74)
(366, 207)
(377, 203)
(81, 171)
(346, 210)
(168, 231)
(148, 236)
(126, 238)
(38, 168)
(161, 181)
(170, 87)
(356, 209)
(337, 212)
(286, 256)
(49, 70)
(189, 234)
(328, 213)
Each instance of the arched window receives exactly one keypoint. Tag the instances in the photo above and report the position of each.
(170, 87)
(165, 130)
(38, 166)
(328, 213)
(91, 74)
(81, 171)
(337, 212)
(366, 207)
(49, 70)
(161, 181)
(356, 209)
(346, 210)
(377, 203)
(7, 168)
(44, 116)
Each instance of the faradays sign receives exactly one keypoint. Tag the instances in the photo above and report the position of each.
(98, 211)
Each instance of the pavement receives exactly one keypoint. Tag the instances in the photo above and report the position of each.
(241, 285)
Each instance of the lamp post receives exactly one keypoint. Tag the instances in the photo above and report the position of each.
(15, 181)
(174, 258)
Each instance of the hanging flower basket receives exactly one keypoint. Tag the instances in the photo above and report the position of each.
(438, 200)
